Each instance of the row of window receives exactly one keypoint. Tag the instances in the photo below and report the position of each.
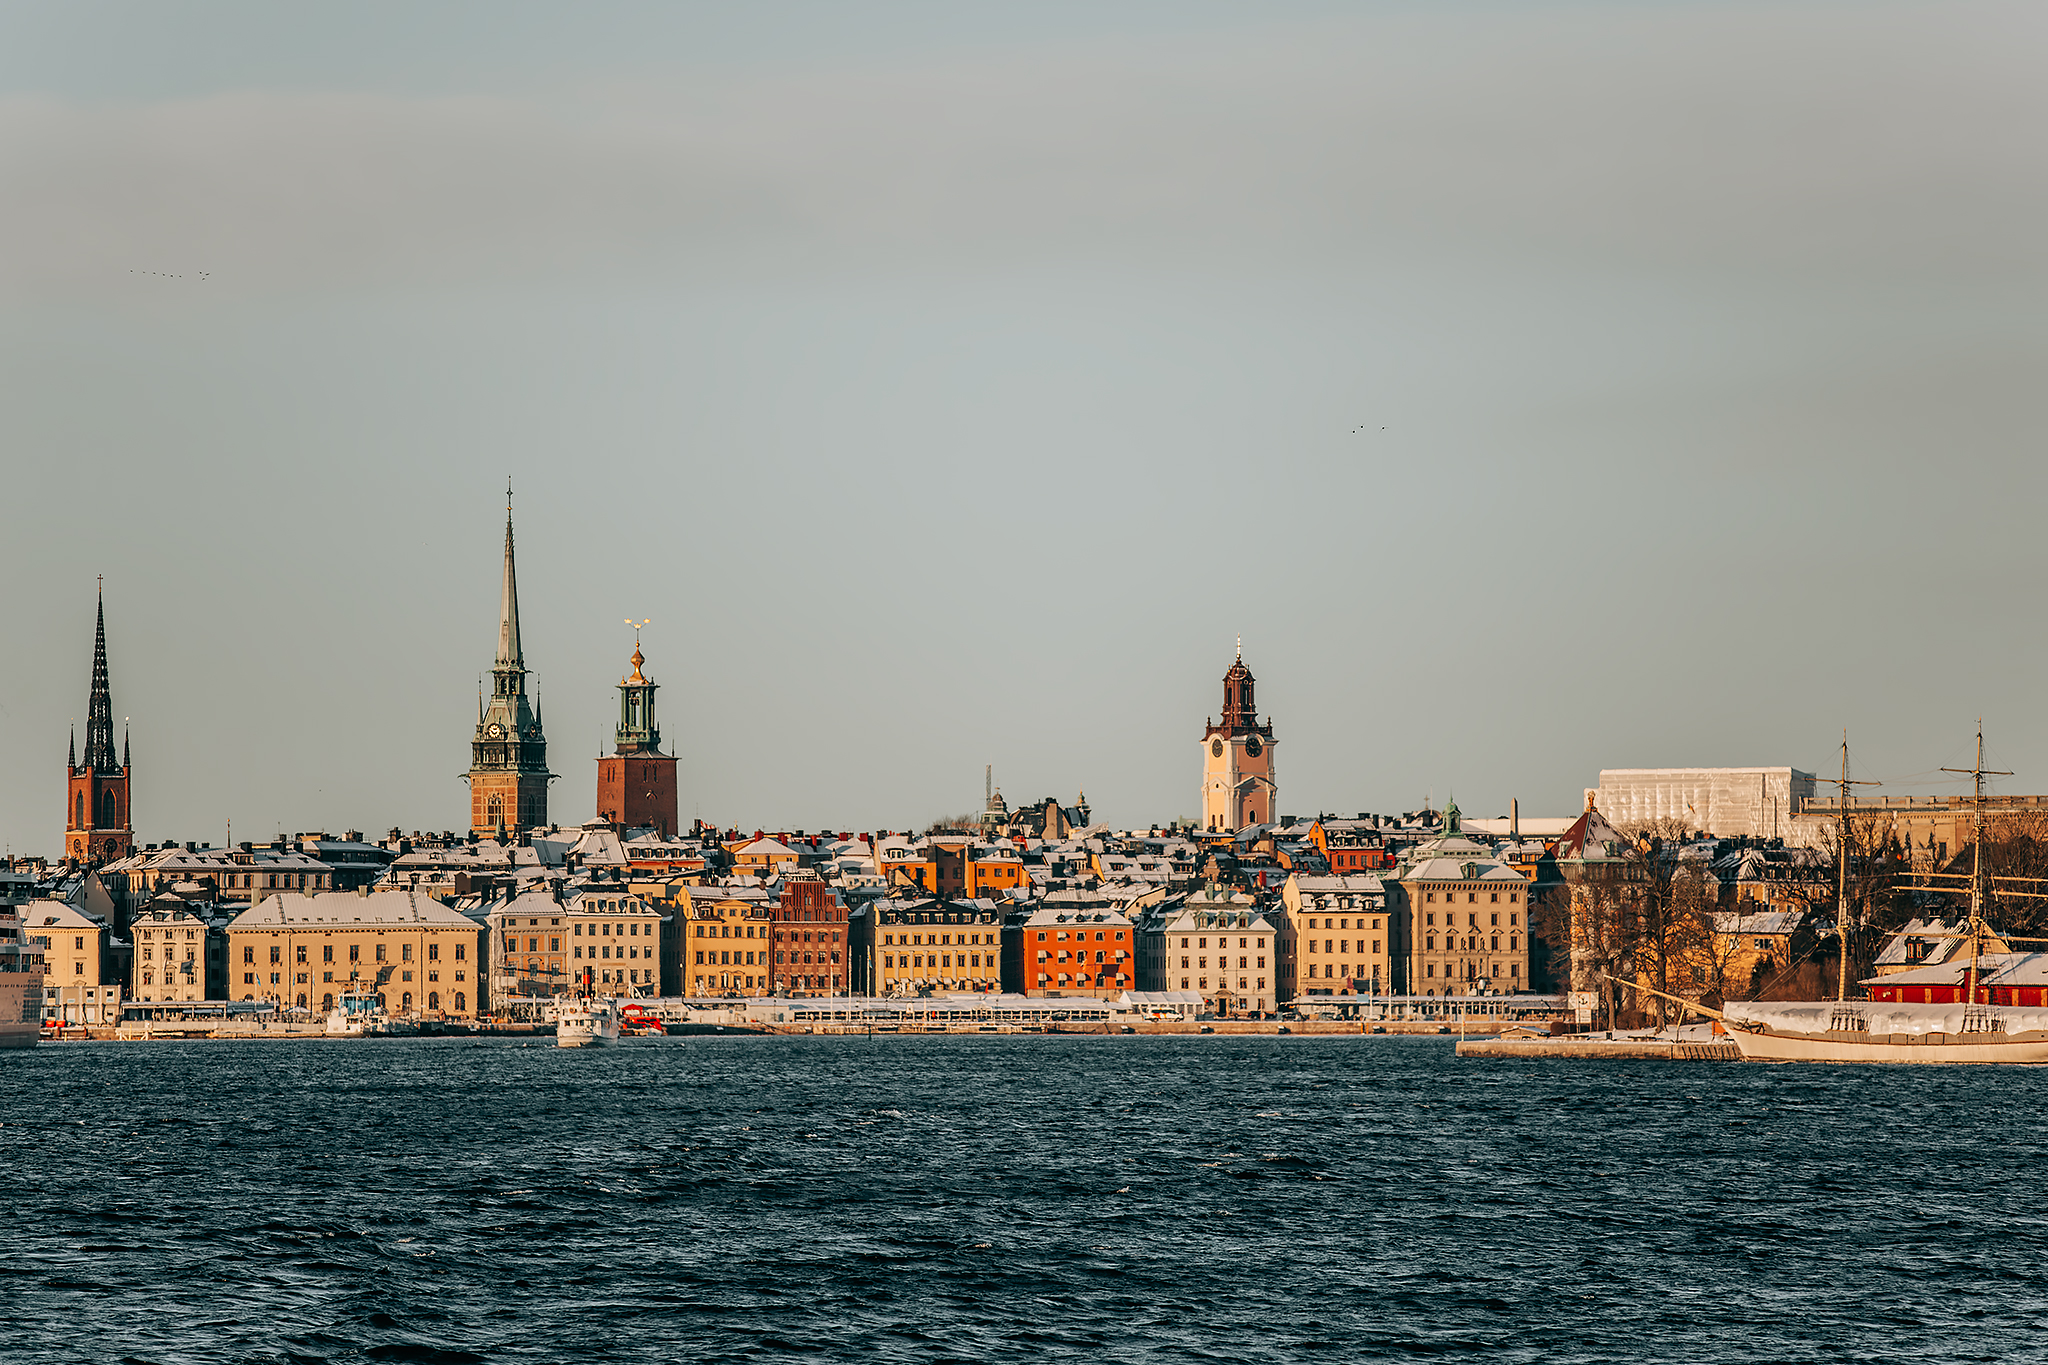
(916, 940)
(1472, 970)
(1514, 897)
(301, 978)
(355, 952)
(1345, 945)
(1225, 943)
(1202, 964)
(1341, 924)
(1222, 983)
(1472, 920)
(1471, 944)
(918, 960)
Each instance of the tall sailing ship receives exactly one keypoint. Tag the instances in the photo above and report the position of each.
(1843, 1030)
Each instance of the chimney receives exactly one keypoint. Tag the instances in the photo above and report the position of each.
(1514, 818)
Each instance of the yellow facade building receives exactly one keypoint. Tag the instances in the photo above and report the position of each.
(75, 963)
(419, 957)
(1336, 937)
(728, 948)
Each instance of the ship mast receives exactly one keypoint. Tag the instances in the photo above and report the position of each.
(1977, 871)
(1842, 785)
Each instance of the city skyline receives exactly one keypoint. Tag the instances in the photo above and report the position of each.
(1510, 445)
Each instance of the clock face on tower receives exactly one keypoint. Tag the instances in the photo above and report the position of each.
(1252, 746)
(1216, 748)
(497, 730)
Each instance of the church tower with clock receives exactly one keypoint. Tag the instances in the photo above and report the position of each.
(508, 770)
(1237, 759)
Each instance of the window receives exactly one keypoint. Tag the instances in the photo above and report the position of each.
(327, 952)
(248, 950)
(300, 956)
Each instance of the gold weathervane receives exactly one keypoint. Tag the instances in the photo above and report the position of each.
(638, 659)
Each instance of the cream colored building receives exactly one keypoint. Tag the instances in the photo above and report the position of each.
(1336, 937)
(420, 957)
(614, 938)
(1466, 918)
(75, 963)
(1226, 951)
(914, 945)
(179, 953)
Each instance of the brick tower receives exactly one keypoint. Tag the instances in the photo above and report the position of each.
(636, 782)
(97, 826)
(508, 771)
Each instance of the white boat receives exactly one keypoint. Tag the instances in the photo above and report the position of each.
(1869, 1031)
(354, 1015)
(587, 1022)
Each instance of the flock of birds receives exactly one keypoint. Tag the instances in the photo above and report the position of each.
(167, 275)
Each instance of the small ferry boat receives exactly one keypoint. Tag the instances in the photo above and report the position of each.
(355, 1014)
(587, 1022)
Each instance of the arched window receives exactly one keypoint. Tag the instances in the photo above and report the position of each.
(302, 1002)
(494, 811)
(78, 822)
(108, 818)
(460, 1004)
(433, 1000)
(327, 1001)
(406, 1002)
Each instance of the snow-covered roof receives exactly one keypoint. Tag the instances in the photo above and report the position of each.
(348, 908)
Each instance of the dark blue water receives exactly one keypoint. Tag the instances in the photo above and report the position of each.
(1177, 1199)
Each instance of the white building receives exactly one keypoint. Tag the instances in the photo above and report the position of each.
(1723, 802)
(1221, 946)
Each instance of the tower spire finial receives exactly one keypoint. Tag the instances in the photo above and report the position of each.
(509, 654)
(1240, 647)
(99, 715)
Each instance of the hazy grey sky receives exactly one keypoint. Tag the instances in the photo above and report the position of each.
(951, 383)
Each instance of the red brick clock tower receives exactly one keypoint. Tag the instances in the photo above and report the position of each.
(636, 782)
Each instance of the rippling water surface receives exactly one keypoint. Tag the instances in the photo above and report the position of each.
(1186, 1199)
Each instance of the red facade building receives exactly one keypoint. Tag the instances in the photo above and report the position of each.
(810, 949)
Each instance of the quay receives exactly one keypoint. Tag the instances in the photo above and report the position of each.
(1603, 1047)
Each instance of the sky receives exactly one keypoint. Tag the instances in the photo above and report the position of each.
(1535, 388)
